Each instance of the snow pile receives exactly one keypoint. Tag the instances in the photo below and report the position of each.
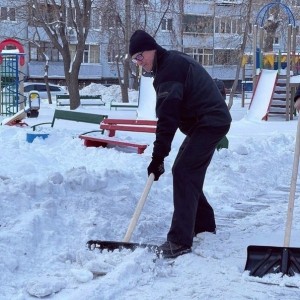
(109, 93)
(57, 194)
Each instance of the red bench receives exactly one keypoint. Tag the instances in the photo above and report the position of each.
(113, 125)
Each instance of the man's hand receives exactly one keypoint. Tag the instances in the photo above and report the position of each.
(297, 104)
(156, 167)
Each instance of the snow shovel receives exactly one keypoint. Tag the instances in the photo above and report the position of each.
(112, 245)
(262, 260)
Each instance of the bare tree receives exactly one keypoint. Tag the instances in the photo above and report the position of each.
(57, 18)
(270, 27)
(119, 20)
(46, 78)
(241, 51)
(36, 41)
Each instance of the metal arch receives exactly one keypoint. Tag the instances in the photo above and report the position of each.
(261, 17)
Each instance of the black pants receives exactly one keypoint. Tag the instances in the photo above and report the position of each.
(192, 212)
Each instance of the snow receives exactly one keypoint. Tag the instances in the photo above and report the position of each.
(57, 194)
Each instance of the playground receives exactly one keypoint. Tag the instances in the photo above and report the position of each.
(274, 73)
(57, 194)
(13, 104)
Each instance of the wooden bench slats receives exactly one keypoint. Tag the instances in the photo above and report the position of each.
(90, 141)
(113, 128)
(130, 121)
(113, 125)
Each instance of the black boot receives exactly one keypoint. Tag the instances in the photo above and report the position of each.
(172, 250)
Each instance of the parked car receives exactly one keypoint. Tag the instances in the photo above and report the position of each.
(9, 92)
(221, 86)
(41, 88)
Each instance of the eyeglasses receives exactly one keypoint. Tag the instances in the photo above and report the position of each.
(139, 57)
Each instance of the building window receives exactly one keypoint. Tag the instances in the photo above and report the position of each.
(33, 53)
(45, 13)
(141, 2)
(226, 56)
(115, 56)
(4, 15)
(167, 24)
(45, 48)
(94, 54)
(95, 18)
(7, 14)
(91, 54)
(236, 26)
(111, 56)
(203, 56)
(198, 24)
(228, 2)
(12, 14)
(296, 2)
(228, 25)
(111, 21)
(85, 59)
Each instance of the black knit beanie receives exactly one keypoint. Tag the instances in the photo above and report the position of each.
(141, 41)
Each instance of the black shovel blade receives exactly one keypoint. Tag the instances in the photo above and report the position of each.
(262, 260)
(112, 245)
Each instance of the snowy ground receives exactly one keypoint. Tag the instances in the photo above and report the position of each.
(57, 194)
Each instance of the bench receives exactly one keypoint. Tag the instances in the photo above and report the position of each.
(70, 115)
(130, 105)
(64, 100)
(113, 125)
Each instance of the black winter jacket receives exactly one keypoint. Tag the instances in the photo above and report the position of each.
(297, 94)
(187, 97)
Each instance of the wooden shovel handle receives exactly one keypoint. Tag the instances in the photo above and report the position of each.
(138, 209)
(288, 227)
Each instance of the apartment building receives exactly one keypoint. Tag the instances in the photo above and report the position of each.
(209, 30)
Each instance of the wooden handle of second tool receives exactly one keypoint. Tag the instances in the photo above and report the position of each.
(288, 227)
(138, 209)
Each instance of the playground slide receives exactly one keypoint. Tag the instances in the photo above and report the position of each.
(15, 119)
(262, 95)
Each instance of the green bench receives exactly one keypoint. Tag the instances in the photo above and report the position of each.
(96, 100)
(130, 105)
(73, 116)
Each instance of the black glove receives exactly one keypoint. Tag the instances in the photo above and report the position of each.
(156, 167)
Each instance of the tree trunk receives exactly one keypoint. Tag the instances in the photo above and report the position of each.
(241, 53)
(46, 79)
(74, 83)
(125, 83)
(57, 32)
(270, 28)
(74, 92)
